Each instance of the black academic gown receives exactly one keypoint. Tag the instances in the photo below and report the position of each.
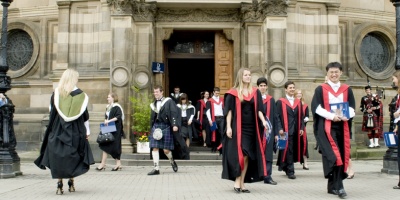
(114, 148)
(333, 153)
(270, 111)
(170, 113)
(292, 122)
(190, 110)
(232, 159)
(65, 149)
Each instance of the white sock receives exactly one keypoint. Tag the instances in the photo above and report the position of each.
(169, 155)
(156, 159)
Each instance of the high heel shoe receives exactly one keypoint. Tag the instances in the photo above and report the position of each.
(60, 188)
(117, 168)
(71, 185)
(99, 169)
(351, 176)
(305, 168)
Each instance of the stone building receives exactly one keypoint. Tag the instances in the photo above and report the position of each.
(202, 43)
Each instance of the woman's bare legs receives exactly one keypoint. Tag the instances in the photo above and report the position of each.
(203, 132)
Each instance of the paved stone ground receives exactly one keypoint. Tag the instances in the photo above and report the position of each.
(196, 182)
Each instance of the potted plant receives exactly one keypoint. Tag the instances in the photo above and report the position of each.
(141, 118)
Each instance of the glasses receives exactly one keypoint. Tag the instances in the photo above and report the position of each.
(334, 72)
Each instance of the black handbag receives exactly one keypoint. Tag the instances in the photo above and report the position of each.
(104, 138)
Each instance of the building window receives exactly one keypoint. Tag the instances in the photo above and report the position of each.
(375, 52)
(19, 49)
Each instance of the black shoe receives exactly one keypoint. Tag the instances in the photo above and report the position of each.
(292, 176)
(60, 188)
(335, 192)
(342, 194)
(174, 166)
(270, 181)
(305, 168)
(154, 172)
(237, 190)
(71, 186)
(245, 190)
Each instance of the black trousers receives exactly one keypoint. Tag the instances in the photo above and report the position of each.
(219, 132)
(335, 179)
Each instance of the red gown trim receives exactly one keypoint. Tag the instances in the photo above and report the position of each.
(328, 123)
(267, 114)
(202, 106)
(239, 127)
(221, 101)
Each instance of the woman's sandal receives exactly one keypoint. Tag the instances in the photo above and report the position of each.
(396, 187)
(351, 176)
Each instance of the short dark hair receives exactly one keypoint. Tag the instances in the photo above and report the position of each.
(158, 87)
(216, 89)
(367, 87)
(288, 83)
(262, 80)
(334, 65)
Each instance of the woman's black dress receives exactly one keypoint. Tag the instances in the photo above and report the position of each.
(114, 148)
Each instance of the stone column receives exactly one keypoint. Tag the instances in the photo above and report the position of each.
(252, 38)
(121, 55)
(64, 8)
(274, 32)
(333, 32)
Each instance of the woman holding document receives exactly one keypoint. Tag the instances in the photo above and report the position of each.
(114, 113)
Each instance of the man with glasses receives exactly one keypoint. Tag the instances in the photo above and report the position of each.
(333, 135)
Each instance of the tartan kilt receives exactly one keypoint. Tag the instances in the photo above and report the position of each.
(365, 120)
(167, 141)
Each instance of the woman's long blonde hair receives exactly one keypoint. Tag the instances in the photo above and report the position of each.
(302, 96)
(68, 81)
(239, 83)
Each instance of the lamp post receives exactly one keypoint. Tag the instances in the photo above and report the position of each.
(390, 158)
(9, 159)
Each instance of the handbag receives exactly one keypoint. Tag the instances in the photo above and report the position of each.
(104, 138)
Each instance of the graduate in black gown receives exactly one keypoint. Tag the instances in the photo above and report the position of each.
(242, 146)
(333, 128)
(65, 149)
(114, 113)
(290, 115)
(271, 139)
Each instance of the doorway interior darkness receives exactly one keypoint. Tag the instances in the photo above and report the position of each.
(192, 76)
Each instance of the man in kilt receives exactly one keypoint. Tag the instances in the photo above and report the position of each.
(165, 118)
(371, 107)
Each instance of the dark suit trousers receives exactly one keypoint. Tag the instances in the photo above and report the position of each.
(335, 180)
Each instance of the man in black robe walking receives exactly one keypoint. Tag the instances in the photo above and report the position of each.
(333, 127)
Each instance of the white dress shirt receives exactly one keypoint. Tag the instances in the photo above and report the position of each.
(332, 99)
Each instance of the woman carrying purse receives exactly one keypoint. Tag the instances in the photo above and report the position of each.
(114, 113)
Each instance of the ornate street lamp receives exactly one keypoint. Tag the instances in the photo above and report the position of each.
(390, 157)
(9, 159)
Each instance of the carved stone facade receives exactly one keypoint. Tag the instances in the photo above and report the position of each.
(112, 43)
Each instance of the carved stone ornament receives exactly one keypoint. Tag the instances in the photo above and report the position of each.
(274, 7)
(121, 7)
(144, 11)
(252, 12)
(139, 9)
(197, 15)
(167, 33)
